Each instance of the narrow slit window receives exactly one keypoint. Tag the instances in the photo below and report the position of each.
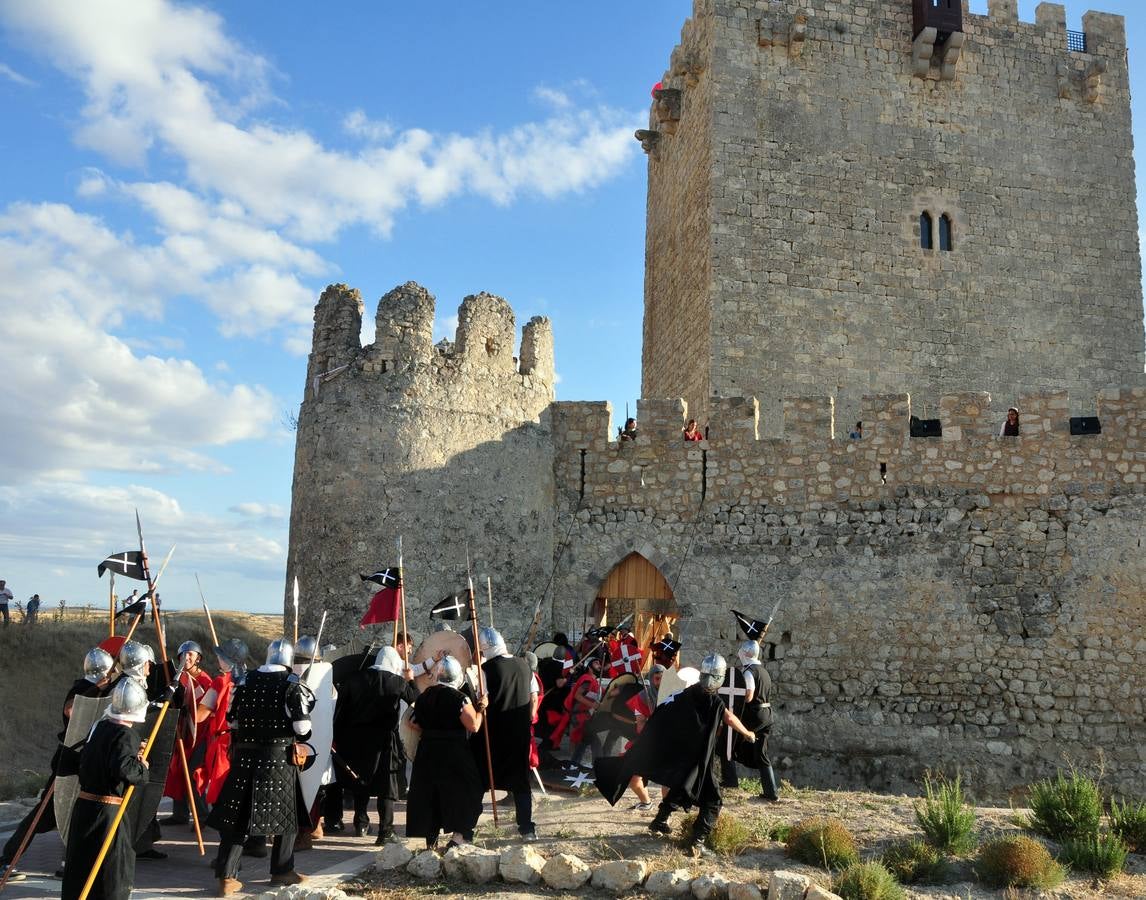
(925, 238)
(944, 232)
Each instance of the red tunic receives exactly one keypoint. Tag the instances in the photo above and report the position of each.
(218, 761)
(534, 757)
(198, 683)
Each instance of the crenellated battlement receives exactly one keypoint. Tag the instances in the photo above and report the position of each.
(481, 352)
(816, 462)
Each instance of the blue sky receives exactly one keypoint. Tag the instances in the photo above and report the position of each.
(181, 180)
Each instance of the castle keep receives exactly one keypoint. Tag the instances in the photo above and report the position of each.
(962, 599)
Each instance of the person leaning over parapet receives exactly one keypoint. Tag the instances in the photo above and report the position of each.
(691, 432)
(629, 432)
(1010, 426)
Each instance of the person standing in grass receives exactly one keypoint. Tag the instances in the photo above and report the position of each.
(5, 599)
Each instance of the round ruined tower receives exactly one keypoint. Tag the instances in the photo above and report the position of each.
(442, 446)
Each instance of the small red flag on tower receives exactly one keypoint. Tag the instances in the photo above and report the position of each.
(386, 604)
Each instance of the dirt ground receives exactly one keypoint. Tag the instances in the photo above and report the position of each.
(586, 826)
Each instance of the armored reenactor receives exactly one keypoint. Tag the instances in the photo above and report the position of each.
(445, 786)
(366, 735)
(270, 712)
(94, 683)
(111, 760)
(677, 748)
(137, 663)
(196, 683)
(509, 689)
(756, 714)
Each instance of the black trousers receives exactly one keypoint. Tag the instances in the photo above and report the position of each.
(523, 811)
(708, 806)
(229, 856)
(385, 806)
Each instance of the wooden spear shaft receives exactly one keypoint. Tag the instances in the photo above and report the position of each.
(207, 610)
(111, 606)
(481, 693)
(190, 796)
(27, 839)
(402, 600)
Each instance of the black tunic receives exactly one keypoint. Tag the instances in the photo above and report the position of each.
(508, 681)
(757, 717)
(262, 793)
(366, 728)
(676, 748)
(445, 788)
(108, 764)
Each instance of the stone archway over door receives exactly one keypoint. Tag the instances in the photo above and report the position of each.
(635, 586)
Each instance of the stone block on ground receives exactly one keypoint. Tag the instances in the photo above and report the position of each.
(673, 883)
(744, 892)
(619, 875)
(710, 887)
(565, 872)
(521, 865)
(426, 865)
(393, 856)
(815, 892)
(471, 864)
(786, 885)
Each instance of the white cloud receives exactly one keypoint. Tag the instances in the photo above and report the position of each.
(12, 75)
(358, 124)
(254, 510)
(552, 97)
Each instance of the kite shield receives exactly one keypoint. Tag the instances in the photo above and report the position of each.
(86, 711)
(320, 679)
(145, 803)
(676, 680)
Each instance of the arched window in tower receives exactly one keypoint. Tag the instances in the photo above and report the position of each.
(925, 236)
(944, 232)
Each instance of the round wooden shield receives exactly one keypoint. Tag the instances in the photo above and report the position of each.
(451, 642)
(409, 735)
(546, 650)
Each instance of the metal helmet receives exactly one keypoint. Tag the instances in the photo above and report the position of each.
(450, 672)
(530, 657)
(491, 642)
(749, 653)
(387, 659)
(280, 653)
(133, 657)
(440, 625)
(231, 653)
(128, 701)
(712, 671)
(190, 647)
(97, 663)
(308, 649)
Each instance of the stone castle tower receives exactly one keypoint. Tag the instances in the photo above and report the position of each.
(794, 150)
(962, 599)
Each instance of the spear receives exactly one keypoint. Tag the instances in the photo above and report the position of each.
(111, 605)
(402, 600)
(30, 833)
(296, 609)
(207, 610)
(489, 592)
(481, 683)
(151, 588)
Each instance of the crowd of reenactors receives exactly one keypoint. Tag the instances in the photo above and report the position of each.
(276, 754)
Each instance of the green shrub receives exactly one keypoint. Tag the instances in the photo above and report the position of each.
(731, 835)
(822, 841)
(1128, 821)
(1065, 807)
(1103, 855)
(1018, 861)
(914, 862)
(866, 881)
(780, 832)
(946, 818)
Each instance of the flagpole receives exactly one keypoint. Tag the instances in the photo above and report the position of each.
(481, 685)
(402, 600)
(111, 606)
(151, 590)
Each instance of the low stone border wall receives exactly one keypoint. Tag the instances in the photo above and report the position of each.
(564, 871)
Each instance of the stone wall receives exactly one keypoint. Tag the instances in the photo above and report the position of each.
(441, 446)
(828, 133)
(970, 600)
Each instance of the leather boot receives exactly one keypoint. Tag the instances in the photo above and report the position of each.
(228, 887)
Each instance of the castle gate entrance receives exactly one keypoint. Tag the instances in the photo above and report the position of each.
(635, 586)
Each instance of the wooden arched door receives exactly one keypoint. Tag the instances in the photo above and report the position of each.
(636, 587)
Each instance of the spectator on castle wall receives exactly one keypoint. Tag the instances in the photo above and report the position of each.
(1010, 427)
(33, 609)
(857, 432)
(691, 432)
(5, 599)
(629, 432)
